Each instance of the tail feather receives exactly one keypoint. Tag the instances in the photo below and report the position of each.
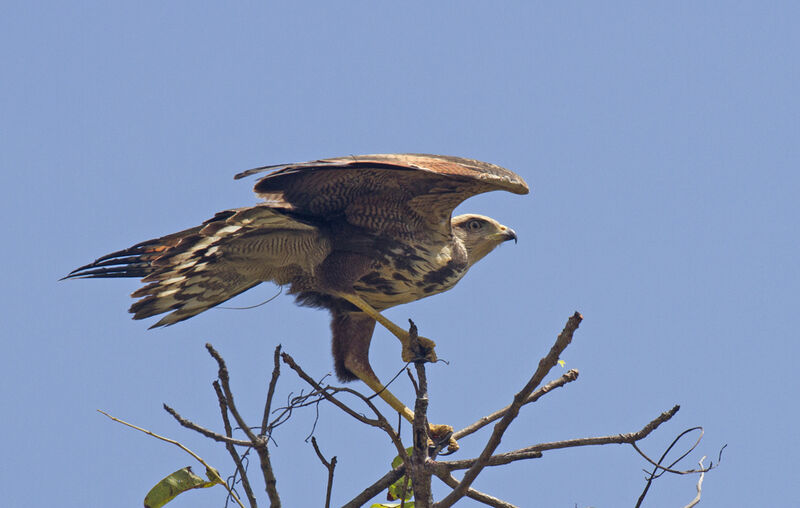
(188, 272)
(136, 261)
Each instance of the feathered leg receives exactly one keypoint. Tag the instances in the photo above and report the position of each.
(405, 339)
(352, 334)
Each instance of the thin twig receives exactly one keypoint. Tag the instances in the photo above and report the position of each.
(204, 431)
(668, 469)
(330, 466)
(699, 485)
(568, 377)
(240, 468)
(276, 371)
(259, 443)
(535, 451)
(631, 437)
(328, 392)
(477, 495)
(288, 360)
(495, 460)
(209, 470)
(545, 365)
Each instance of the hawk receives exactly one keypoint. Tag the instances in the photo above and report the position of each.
(353, 235)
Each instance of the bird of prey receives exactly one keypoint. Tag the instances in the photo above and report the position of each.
(353, 235)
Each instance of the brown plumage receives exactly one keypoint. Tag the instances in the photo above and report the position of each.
(354, 235)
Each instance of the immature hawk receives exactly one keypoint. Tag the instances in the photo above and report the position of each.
(354, 235)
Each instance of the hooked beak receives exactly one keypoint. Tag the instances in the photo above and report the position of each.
(509, 234)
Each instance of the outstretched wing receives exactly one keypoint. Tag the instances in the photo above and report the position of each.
(387, 193)
(193, 270)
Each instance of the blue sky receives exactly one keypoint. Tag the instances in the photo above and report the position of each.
(661, 145)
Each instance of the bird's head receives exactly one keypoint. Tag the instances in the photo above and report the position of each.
(480, 234)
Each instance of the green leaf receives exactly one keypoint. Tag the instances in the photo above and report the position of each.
(399, 460)
(178, 482)
(403, 485)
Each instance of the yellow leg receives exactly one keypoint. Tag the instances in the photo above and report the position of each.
(436, 432)
(405, 339)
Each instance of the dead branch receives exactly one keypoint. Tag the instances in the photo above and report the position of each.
(258, 442)
(630, 438)
(420, 466)
(486, 499)
(658, 469)
(668, 469)
(441, 466)
(204, 431)
(330, 466)
(699, 484)
(276, 371)
(328, 393)
(420, 478)
(377, 487)
(213, 474)
(568, 377)
(545, 365)
(240, 468)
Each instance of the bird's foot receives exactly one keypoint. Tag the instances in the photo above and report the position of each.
(440, 433)
(418, 349)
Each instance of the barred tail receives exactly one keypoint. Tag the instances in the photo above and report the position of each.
(184, 272)
(193, 270)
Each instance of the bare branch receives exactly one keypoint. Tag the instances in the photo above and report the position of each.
(545, 365)
(535, 451)
(420, 479)
(288, 360)
(495, 460)
(240, 468)
(486, 499)
(380, 421)
(209, 470)
(699, 484)
(330, 466)
(276, 371)
(568, 377)
(259, 443)
(204, 431)
(616, 439)
(376, 488)
(668, 469)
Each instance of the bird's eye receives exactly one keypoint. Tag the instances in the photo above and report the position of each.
(474, 225)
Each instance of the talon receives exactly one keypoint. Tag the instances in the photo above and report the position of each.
(426, 351)
(440, 433)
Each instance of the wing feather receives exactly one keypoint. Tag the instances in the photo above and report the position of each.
(387, 193)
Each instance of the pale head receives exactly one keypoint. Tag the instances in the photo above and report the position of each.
(480, 234)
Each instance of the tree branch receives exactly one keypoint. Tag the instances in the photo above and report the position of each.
(495, 460)
(631, 437)
(420, 478)
(699, 485)
(276, 371)
(380, 421)
(213, 474)
(486, 499)
(568, 377)
(223, 409)
(376, 488)
(259, 443)
(545, 365)
(204, 431)
(330, 466)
